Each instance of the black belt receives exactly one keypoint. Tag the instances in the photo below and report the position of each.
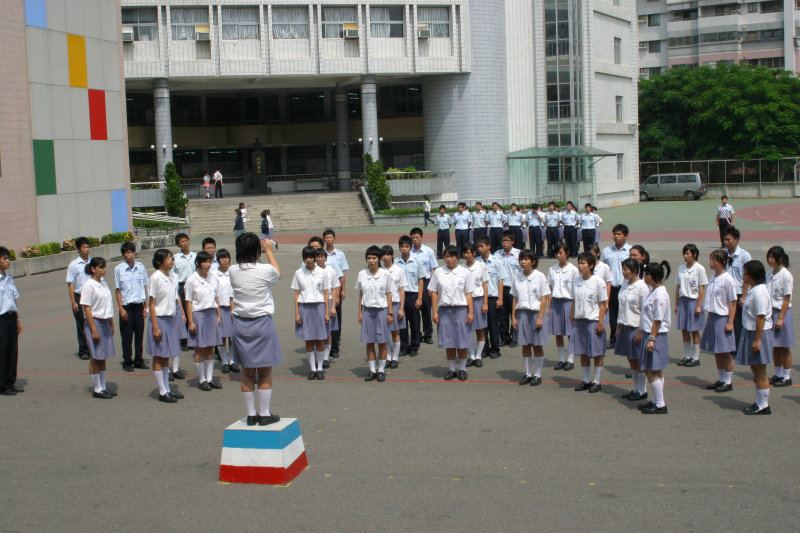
(9, 314)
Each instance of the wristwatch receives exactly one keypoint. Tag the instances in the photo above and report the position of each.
(651, 338)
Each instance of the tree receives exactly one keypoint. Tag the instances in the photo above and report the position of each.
(376, 183)
(730, 111)
(174, 199)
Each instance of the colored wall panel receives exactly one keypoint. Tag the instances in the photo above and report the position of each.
(76, 52)
(36, 13)
(97, 115)
(119, 210)
(44, 167)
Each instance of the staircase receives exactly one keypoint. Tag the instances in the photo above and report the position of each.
(289, 212)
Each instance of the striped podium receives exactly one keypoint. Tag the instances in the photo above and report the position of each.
(271, 455)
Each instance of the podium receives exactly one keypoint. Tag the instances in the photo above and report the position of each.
(271, 455)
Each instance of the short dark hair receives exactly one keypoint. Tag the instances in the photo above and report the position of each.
(733, 231)
(320, 252)
(328, 231)
(248, 248)
(776, 252)
(208, 240)
(387, 250)
(551, 203)
(722, 257)
(527, 254)
(202, 257)
(4, 252)
(755, 269)
(513, 205)
(127, 246)
(180, 236)
(462, 204)
(223, 252)
(404, 239)
(160, 256)
(472, 247)
(634, 266)
(309, 253)
(317, 240)
(80, 241)
(724, 196)
(621, 228)
(509, 234)
(587, 204)
(692, 249)
(416, 231)
(450, 250)
(569, 202)
(483, 239)
(97, 262)
(373, 250)
(442, 206)
(589, 258)
(535, 206)
(658, 271)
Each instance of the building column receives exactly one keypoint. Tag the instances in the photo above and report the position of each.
(342, 140)
(284, 160)
(163, 125)
(369, 116)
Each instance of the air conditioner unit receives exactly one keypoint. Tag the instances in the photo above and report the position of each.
(642, 45)
(127, 34)
(643, 70)
(351, 34)
(202, 33)
(424, 31)
(642, 18)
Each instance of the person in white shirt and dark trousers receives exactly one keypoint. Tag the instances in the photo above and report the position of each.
(724, 217)
(76, 276)
(131, 281)
(571, 220)
(426, 256)
(515, 220)
(552, 219)
(478, 222)
(739, 256)
(613, 255)
(410, 337)
(589, 222)
(534, 222)
(10, 328)
(510, 256)
(443, 222)
(462, 221)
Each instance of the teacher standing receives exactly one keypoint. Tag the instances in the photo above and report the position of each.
(724, 218)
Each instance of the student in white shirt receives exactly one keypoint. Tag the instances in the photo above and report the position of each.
(755, 346)
(531, 294)
(203, 320)
(462, 221)
(76, 276)
(570, 220)
(561, 278)
(655, 323)
(534, 221)
(480, 303)
(99, 325)
(311, 287)
(589, 222)
(589, 304)
(510, 256)
(451, 295)
(632, 295)
(690, 291)
(333, 294)
(495, 220)
(130, 279)
(375, 311)
(516, 220)
(398, 304)
(225, 302)
(718, 334)
(723, 218)
(552, 220)
(443, 223)
(209, 246)
(414, 271)
(602, 270)
(184, 267)
(780, 283)
(478, 222)
(498, 278)
(739, 257)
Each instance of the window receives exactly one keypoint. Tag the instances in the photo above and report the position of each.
(653, 71)
(239, 23)
(305, 108)
(144, 22)
(620, 166)
(334, 20)
(769, 62)
(437, 19)
(654, 20)
(752, 8)
(616, 2)
(386, 22)
(399, 101)
(687, 14)
(668, 180)
(771, 7)
(687, 178)
(184, 20)
(652, 180)
(618, 50)
(689, 40)
(290, 22)
(619, 109)
(726, 9)
(653, 47)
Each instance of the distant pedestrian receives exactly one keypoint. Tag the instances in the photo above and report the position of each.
(218, 184)
(724, 218)
(427, 210)
(207, 185)
(238, 224)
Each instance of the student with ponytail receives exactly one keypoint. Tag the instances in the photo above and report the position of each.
(655, 323)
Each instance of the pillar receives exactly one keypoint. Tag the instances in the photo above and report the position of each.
(342, 140)
(284, 160)
(163, 125)
(369, 116)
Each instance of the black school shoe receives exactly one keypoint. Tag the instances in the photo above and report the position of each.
(127, 368)
(635, 397)
(371, 376)
(175, 394)
(644, 406)
(774, 378)
(462, 375)
(683, 361)
(782, 382)
(692, 363)
(235, 367)
(103, 395)
(754, 410)
(179, 374)
(381, 377)
(204, 386)
(536, 381)
(560, 365)
(595, 388)
(525, 380)
(451, 374)
(226, 369)
(584, 385)
(569, 366)
(320, 375)
(252, 420)
(627, 395)
(724, 387)
(267, 420)
(167, 398)
(326, 364)
(478, 363)
(714, 385)
(653, 410)
(215, 384)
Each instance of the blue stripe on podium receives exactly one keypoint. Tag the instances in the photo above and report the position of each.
(260, 439)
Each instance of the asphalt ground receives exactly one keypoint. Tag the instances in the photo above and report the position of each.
(415, 453)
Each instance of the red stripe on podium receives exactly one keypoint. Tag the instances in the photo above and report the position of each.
(263, 474)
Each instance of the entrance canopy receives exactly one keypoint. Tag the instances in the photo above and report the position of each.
(560, 152)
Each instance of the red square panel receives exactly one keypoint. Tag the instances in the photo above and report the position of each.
(97, 115)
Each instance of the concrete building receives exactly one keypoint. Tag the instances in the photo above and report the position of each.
(705, 32)
(63, 155)
(519, 98)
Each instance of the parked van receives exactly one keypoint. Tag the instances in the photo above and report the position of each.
(689, 185)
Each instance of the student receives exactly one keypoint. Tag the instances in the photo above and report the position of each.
(375, 311)
(99, 325)
(183, 268)
(414, 273)
(499, 276)
(632, 294)
(267, 227)
(589, 222)
(478, 222)
(203, 320)
(225, 303)
(510, 256)
(427, 209)
(602, 270)
(739, 257)
(131, 280)
(10, 328)
(338, 260)
(243, 210)
(311, 287)
(534, 222)
(724, 217)
(638, 253)
(755, 345)
(516, 220)
(218, 184)
(570, 220)
(720, 304)
(613, 255)
(690, 290)
(398, 304)
(333, 302)
(655, 323)
(209, 246)
(531, 294)
(599, 221)
(562, 278)
(780, 283)
(552, 220)
(255, 339)
(166, 322)
(207, 185)
(496, 219)
(443, 222)
(589, 303)
(76, 277)
(480, 303)
(462, 221)
(451, 302)
(426, 256)
(238, 223)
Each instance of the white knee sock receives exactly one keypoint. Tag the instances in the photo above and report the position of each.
(695, 352)
(720, 375)
(165, 374)
(162, 390)
(787, 373)
(762, 398)
(371, 366)
(479, 350)
(598, 371)
(471, 352)
(201, 374)
(396, 352)
(642, 383)
(249, 403)
(560, 353)
(312, 361)
(687, 349)
(320, 356)
(381, 365)
(102, 375)
(727, 377)
(538, 363)
(527, 362)
(223, 354)
(779, 371)
(176, 363)
(96, 382)
(462, 364)
(264, 397)
(452, 365)
(327, 352)
(209, 369)
(587, 372)
(657, 387)
(570, 358)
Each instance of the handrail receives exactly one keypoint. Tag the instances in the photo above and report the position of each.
(365, 199)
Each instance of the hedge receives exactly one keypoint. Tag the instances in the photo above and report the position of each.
(113, 238)
(40, 250)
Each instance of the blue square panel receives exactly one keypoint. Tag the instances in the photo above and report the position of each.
(36, 13)
(119, 210)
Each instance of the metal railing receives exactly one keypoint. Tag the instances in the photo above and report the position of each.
(729, 171)
(521, 201)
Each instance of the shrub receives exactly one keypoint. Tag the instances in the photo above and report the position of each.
(376, 182)
(40, 250)
(113, 238)
(174, 199)
(68, 245)
(11, 255)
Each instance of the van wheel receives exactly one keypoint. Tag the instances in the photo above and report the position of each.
(643, 196)
(689, 195)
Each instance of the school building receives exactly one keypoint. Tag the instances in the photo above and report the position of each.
(518, 98)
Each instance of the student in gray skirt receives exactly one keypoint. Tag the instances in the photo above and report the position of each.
(655, 323)
(312, 310)
(690, 290)
(531, 294)
(755, 344)
(203, 320)
(632, 295)
(780, 283)
(589, 305)
(480, 302)
(375, 311)
(99, 325)
(398, 304)
(718, 333)
(561, 277)
(225, 302)
(255, 339)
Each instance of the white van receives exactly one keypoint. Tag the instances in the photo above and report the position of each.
(688, 185)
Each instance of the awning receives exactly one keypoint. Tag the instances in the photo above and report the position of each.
(559, 152)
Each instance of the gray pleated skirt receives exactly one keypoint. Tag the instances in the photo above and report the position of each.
(105, 348)
(658, 359)
(479, 318)
(625, 345)
(180, 325)
(715, 339)
(170, 345)
(687, 319)
(255, 342)
(585, 340)
(745, 354)
(527, 332)
(558, 321)
(313, 327)
(373, 325)
(227, 321)
(784, 337)
(453, 330)
(398, 323)
(207, 331)
(333, 323)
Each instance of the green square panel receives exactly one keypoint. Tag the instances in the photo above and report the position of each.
(44, 167)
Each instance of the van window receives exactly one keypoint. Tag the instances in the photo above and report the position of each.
(687, 178)
(652, 180)
(666, 180)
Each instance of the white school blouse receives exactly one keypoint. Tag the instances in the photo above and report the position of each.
(480, 273)
(587, 295)
(311, 283)
(374, 288)
(780, 285)
(398, 280)
(603, 271)
(333, 280)
(452, 285)
(252, 295)
(757, 302)
(97, 296)
(690, 280)
(562, 279)
(656, 307)
(164, 292)
(202, 292)
(224, 289)
(529, 290)
(631, 298)
(720, 293)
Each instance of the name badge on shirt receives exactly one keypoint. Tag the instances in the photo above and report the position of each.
(693, 283)
(590, 297)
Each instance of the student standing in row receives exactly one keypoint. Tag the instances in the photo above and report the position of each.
(780, 283)
(498, 278)
(183, 268)
(718, 336)
(374, 312)
(515, 220)
(589, 304)
(531, 294)
(552, 220)
(570, 220)
(632, 295)
(426, 256)
(480, 303)
(203, 320)
(589, 222)
(398, 304)
(333, 295)
(613, 255)
(99, 325)
(755, 346)
(534, 222)
(10, 328)
(562, 278)
(739, 257)
(510, 256)
(131, 281)
(443, 222)
(690, 290)
(209, 246)
(496, 220)
(76, 277)
(655, 323)
(462, 221)
(338, 260)
(478, 222)
(311, 287)
(414, 271)
(225, 302)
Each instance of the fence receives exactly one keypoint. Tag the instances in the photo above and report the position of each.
(729, 171)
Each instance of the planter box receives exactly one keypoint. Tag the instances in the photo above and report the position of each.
(18, 268)
(401, 220)
(48, 263)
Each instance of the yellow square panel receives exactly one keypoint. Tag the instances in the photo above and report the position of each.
(76, 52)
